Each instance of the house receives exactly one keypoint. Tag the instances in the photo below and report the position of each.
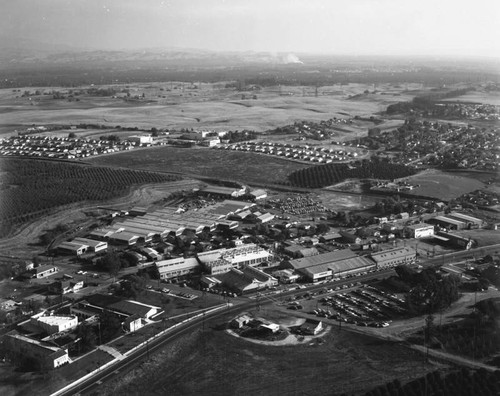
(350, 237)
(258, 194)
(240, 321)
(311, 327)
(330, 237)
(44, 271)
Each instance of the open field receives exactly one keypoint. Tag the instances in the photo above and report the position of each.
(202, 106)
(443, 185)
(226, 365)
(220, 164)
(14, 383)
(477, 96)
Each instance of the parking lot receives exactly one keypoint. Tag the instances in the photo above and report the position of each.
(354, 303)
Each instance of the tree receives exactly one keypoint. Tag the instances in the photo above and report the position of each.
(111, 263)
(71, 135)
(87, 335)
(110, 325)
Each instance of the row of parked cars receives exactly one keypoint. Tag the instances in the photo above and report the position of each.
(367, 306)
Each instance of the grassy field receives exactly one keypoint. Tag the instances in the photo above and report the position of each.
(216, 363)
(221, 164)
(444, 185)
(209, 106)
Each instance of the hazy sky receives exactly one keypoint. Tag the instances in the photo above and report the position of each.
(447, 27)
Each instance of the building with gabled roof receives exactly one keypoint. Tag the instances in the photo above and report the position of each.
(73, 247)
(94, 246)
(247, 279)
(45, 355)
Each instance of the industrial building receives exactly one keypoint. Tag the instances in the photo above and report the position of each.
(394, 257)
(327, 265)
(214, 262)
(448, 223)
(177, 267)
(93, 245)
(470, 222)
(455, 240)
(72, 247)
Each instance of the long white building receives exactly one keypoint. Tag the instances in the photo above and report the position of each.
(215, 262)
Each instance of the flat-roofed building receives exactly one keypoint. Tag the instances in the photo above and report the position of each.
(52, 324)
(94, 246)
(421, 230)
(44, 271)
(221, 260)
(327, 265)
(393, 257)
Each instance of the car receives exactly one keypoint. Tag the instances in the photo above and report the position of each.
(165, 290)
(149, 287)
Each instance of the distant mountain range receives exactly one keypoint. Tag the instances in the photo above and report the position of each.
(24, 51)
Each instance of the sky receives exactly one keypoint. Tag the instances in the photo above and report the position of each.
(359, 27)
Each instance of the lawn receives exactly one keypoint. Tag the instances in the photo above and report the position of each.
(216, 363)
(219, 164)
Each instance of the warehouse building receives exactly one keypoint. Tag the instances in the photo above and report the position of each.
(328, 265)
(448, 223)
(221, 260)
(72, 247)
(394, 257)
(470, 222)
(177, 268)
(94, 246)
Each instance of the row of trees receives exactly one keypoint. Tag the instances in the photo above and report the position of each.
(325, 175)
(462, 382)
(30, 188)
